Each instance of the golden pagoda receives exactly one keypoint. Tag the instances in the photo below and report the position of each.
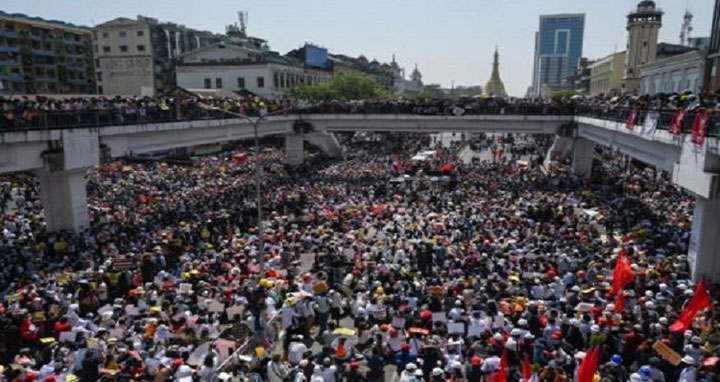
(495, 86)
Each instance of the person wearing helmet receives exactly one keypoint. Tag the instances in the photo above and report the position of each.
(404, 358)
(689, 371)
(473, 372)
(613, 370)
(437, 375)
(653, 370)
(693, 349)
(407, 373)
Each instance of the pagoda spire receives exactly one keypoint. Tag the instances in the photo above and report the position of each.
(495, 86)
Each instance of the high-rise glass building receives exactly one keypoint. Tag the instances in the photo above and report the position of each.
(558, 49)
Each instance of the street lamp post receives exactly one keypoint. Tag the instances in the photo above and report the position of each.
(258, 189)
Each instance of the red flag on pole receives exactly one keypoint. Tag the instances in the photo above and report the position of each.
(623, 273)
(699, 301)
(398, 164)
(588, 367)
(527, 369)
(700, 127)
(632, 118)
(676, 123)
(620, 302)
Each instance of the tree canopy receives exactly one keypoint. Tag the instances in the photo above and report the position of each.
(344, 86)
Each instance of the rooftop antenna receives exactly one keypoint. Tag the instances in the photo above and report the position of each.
(243, 16)
(686, 30)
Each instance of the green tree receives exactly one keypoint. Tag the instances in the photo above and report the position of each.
(431, 91)
(343, 86)
(562, 94)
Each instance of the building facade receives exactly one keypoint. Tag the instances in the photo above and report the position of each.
(643, 26)
(138, 57)
(558, 49)
(269, 76)
(42, 56)
(713, 72)
(674, 74)
(606, 75)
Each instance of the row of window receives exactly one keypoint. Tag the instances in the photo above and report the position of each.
(121, 34)
(260, 81)
(122, 48)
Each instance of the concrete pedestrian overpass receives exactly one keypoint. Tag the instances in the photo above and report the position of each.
(60, 156)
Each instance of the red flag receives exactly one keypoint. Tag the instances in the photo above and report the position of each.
(630, 124)
(378, 209)
(699, 301)
(398, 164)
(502, 373)
(700, 127)
(446, 167)
(676, 123)
(240, 158)
(527, 369)
(623, 273)
(588, 367)
(620, 302)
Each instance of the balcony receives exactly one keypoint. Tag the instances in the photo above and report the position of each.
(50, 53)
(8, 33)
(9, 49)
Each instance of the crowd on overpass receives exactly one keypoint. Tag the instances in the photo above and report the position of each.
(377, 268)
(50, 112)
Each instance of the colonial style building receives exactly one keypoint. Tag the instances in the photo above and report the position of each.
(643, 26)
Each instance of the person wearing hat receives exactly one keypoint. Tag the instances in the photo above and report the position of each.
(694, 349)
(404, 358)
(689, 371)
(473, 372)
(407, 373)
(614, 369)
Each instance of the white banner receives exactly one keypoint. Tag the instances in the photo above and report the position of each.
(651, 122)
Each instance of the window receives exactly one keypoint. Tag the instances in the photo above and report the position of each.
(105, 35)
(95, 48)
(261, 82)
(141, 48)
(123, 48)
(99, 76)
(208, 83)
(276, 83)
(218, 83)
(122, 34)
(106, 49)
(140, 33)
(97, 62)
(241, 82)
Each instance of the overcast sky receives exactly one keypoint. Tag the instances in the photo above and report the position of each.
(450, 40)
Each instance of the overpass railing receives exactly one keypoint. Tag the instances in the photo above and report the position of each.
(65, 119)
(43, 120)
(622, 115)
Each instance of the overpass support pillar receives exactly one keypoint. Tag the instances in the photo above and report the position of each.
(294, 149)
(704, 250)
(64, 199)
(582, 156)
(62, 179)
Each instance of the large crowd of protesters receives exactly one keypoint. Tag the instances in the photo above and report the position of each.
(378, 267)
(49, 112)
